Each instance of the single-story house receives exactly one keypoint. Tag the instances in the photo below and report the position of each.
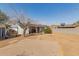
(31, 28)
(15, 26)
(26, 28)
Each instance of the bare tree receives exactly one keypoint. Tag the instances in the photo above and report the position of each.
(22, 20)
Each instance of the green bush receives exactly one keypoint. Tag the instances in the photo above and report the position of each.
(47, 30)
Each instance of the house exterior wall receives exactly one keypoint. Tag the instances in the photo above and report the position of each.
(17, 28)
(20, 30)
(27, 31)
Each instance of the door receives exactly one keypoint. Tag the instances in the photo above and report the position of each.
(3, 33)
(0, 33)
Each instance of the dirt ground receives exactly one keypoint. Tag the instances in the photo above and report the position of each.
(47, 44)
(69, 43)
(6, 42)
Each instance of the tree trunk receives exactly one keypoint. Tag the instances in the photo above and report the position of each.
(24, 32)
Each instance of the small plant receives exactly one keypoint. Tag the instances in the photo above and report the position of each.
(47, 30)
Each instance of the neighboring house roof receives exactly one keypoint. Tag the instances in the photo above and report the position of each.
(37, 25)
(69, 26)
(23, 24)
(66, 26)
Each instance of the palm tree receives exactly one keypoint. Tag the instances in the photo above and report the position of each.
(3, 17)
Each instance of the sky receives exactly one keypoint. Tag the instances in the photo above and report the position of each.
(45, 13)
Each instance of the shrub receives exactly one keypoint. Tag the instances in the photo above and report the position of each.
(47, 30)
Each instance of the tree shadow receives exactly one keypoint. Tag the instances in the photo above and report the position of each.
(8, 38)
